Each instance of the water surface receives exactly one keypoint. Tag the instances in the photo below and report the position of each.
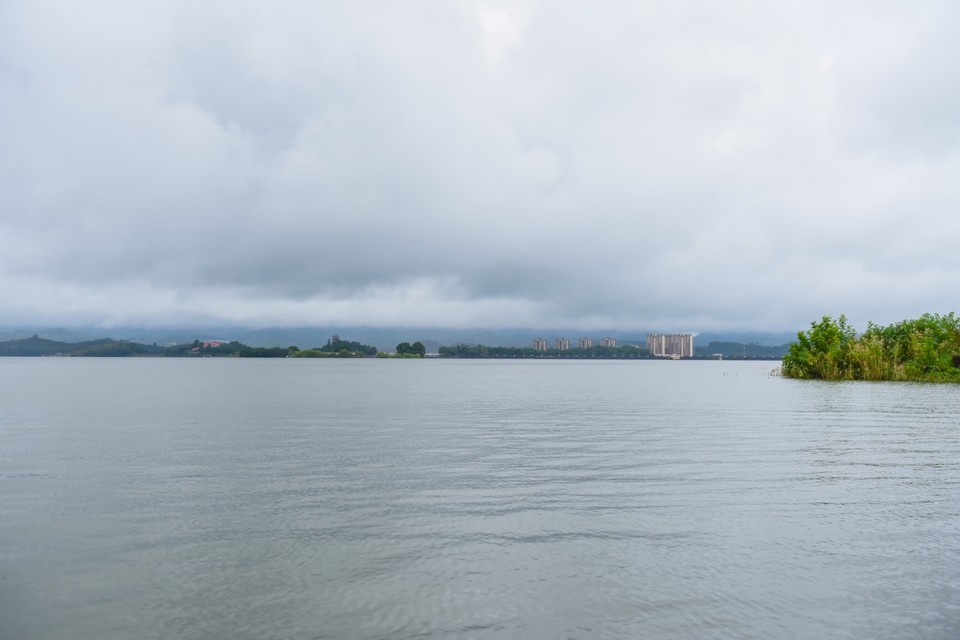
(160, 498)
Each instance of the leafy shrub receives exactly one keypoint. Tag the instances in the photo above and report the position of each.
(822, 352)
(921, 350)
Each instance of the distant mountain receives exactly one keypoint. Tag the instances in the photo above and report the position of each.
(740, 350)
(762, 339)
(384, 338)
(51, 333)
(269, 343)
(37, 346)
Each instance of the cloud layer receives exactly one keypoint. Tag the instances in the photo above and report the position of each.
(678, 166)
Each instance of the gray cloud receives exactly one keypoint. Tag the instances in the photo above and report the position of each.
(690, 166)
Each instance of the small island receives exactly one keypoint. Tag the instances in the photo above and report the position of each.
(926, 349)
(336, 348)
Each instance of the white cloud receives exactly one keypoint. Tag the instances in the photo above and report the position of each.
(741, 165)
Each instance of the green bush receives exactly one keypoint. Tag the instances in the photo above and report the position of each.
(917, 350)
(822, 352)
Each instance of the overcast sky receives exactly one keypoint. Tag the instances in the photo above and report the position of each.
(678, 166)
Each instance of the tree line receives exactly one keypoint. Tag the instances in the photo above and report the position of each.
(627, 352)
(334, 348)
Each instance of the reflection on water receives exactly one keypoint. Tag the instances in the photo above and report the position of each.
(408, 499)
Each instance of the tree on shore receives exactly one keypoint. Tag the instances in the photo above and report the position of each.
(415, 349)
(596, 352)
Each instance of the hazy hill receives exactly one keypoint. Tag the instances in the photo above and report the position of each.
(37, 346)
(384, 338)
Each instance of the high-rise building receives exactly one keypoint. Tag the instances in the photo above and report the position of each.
(540, 344)
(584, 343)
(608, 342)
(677, 345)
(562, 344)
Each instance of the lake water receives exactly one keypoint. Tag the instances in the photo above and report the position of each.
(303, 499)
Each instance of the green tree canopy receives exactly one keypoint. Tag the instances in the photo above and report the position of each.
(415, 349)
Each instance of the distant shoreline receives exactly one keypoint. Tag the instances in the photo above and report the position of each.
(35, 346)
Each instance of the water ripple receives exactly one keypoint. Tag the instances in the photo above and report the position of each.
(474, 499)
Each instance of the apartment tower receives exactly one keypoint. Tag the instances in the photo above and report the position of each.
(677, 345)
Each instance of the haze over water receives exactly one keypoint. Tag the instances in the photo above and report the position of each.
(162, 498)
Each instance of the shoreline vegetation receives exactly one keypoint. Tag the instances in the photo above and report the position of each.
(626, 352)
(36, 346)
(926, 349)
(107, 348)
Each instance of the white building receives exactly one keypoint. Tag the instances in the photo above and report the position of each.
(677, 345)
